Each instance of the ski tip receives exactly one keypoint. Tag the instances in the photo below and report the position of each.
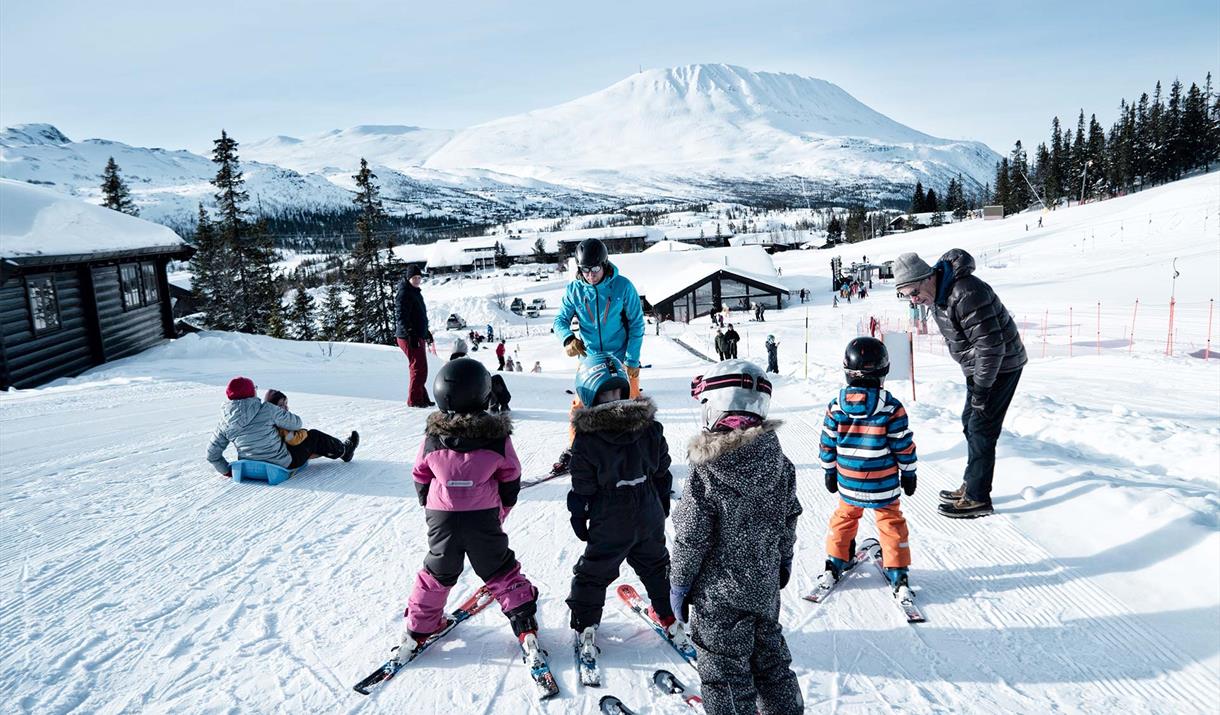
(626, 590)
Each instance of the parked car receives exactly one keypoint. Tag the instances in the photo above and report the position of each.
(531, 311)
(517, 306)
(539, 303)
(455, 322)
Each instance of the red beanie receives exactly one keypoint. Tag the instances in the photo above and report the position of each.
(240, 388)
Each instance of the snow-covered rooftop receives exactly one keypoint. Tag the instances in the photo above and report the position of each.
(660, 275)
(40, 222)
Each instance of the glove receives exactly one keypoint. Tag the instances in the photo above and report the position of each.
(578, 507)
(785, 573)
(633, 371)
(428, 337)
(504, 513)
(978, 400)
(908, 484)
(575, 347)
(832, 481)
(679, 600)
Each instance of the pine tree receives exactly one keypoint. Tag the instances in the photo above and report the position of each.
(254, 293)
(1018, 190)
(1095, 152)
(1157, 165)
(500, 256)
(115, 194)
(1141, 147)
(276, 327)
(1194, 130)
(301, 318)
(1052, 177)
(918, 200)
(930, 203)
(834, 230)
(371, 281)
(333, 318)
(958, 202)
(209, 270)
(1174, 139)
(1000, 194)
(540, 255)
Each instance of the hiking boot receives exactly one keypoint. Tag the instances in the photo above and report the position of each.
(966, 508)
(948, 496)
(349, 446)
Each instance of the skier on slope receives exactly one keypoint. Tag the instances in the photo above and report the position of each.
(868, 454)
(268, 432)
(734, 533)
(772, 354)
(619, 499)
(467, 477)
(611, 319)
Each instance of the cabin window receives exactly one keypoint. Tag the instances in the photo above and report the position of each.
(149, 273)
(44, 303)
(129, 285)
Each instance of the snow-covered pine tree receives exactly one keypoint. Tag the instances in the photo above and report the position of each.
(115, 194)
(301, 316)
(834, 230)
(1095, 150)
(333, 323)
(1018, 191)
(1000, 194)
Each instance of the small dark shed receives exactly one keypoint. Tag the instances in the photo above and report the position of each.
(80, 285)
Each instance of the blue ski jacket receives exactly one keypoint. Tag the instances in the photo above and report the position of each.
(610, 314)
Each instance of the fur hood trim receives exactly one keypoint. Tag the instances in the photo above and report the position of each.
(617, 416)
(709, 446)
(480, 426)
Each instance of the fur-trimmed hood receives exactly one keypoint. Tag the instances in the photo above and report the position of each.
(709, 446)
(466, 433)
(618, 417)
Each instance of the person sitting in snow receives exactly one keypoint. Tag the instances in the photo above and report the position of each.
(620, 497)
(459, 349)
(467, 477)
(868, 454)
(266, 432)
(734, 535)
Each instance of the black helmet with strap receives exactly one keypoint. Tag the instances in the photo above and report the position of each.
(591, 252)
(462, 386)
(866, 358)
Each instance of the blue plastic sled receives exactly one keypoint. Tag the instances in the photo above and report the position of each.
(249, 470)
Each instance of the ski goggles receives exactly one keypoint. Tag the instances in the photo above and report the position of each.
(699, 385)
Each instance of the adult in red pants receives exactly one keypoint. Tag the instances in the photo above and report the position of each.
(412, 332)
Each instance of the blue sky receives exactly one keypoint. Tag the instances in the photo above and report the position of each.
(172, 74)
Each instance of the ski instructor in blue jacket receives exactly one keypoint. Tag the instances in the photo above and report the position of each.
(610, 314)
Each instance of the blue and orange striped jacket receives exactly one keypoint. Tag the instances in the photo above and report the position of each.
(865, 439)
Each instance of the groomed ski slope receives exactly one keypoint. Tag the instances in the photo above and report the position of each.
(134, 579)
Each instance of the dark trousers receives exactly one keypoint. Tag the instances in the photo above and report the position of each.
(744, 662)
(454, 536)
(773, 361)
(982, 430)
(501, 359)
(626, 523)
(417, 372)
(733, 350)
(316, 443)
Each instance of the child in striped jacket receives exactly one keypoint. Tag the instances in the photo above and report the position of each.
(868, 454)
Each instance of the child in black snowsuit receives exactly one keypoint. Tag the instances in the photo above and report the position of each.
(734, 533)
(620, 496)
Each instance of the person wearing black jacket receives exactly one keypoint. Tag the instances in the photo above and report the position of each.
(620, 496)
(983, 338)
(731, 338)
(411, 331)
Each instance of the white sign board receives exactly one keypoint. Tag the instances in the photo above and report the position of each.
(899, 347)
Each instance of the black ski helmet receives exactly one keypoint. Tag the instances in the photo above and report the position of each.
(462, 386)
(866, 358)
(591, 252)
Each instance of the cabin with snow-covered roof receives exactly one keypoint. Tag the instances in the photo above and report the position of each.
(80, 285)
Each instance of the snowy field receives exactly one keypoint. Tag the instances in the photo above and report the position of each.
(136, 580)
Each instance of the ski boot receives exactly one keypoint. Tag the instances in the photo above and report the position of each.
(561, 467)
(835, 567)
(899, 583)
(674, 630)
(411, 642)
(586, 646)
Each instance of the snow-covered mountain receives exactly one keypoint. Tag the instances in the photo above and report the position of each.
(714, 132)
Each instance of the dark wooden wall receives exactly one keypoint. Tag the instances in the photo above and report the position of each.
(32, 360)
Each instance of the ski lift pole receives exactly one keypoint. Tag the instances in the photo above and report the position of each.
(1099, 327)
(1211, 306)
(806, 343)
(1173, 292)
(1134, 312)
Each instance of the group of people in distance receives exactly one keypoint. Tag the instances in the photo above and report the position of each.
(718, 589)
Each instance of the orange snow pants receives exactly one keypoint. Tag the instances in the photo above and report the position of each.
(635, 392)
(891, 526)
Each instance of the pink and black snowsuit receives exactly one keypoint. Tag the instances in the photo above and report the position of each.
(467, 476)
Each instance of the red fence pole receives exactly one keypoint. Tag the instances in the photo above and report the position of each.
(1134, 311)
(1169, 336)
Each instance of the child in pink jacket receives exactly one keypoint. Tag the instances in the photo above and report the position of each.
(467, 476)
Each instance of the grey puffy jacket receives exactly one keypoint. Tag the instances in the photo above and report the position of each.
(250, 424)
(736, 521)
(982, 336)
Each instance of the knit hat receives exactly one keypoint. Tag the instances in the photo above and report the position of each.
(910, 268)
(240, 388)
(274, 396)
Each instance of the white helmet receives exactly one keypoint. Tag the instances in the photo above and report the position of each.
(732, 387)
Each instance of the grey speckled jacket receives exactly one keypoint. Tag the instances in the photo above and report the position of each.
(736, 521)
(250, 424)
(981, 335)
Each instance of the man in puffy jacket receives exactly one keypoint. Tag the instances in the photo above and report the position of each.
(411, 331)
(610, 314)
(253, 427)
(983, 339)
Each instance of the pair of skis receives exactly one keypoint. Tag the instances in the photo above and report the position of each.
(586, 664)
(666, 683)
(540, 671)
(870, 550)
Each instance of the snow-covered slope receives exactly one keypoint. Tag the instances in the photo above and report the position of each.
(395, 147)
(134, 579)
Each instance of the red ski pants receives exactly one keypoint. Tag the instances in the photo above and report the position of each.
(891, 527)
(417, 373)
